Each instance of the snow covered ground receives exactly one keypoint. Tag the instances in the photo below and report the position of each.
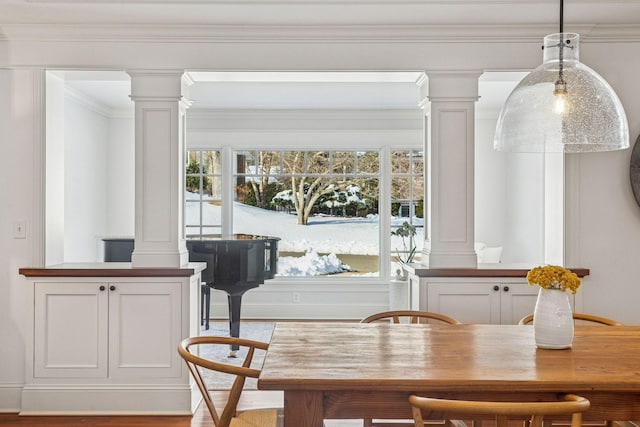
(323, 235)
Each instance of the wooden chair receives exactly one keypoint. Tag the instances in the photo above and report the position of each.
(569, 404)
(528, 320)
(413, 317)
(230, 416)
(584, 317)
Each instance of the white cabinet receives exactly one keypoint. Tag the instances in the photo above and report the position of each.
(497, 302)
(103, 339)
(475, 298)
(109, 331)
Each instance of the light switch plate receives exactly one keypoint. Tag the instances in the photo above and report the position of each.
(19, 229)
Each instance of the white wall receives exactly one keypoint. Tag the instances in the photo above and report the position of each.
(85, 201)
(525, 206)
(490, 186)
(304, 128)
(18, 159)
(120, 189)
(55, 169)
(90, 174)
(604, 219)
(509, 195)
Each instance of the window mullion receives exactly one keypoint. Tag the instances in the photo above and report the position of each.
(228, 174)
(384, 209)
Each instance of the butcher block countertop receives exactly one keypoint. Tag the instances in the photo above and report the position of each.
(110, 269)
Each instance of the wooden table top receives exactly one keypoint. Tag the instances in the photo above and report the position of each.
(352, 356)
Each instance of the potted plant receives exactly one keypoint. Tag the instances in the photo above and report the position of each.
(552, 316)
(407, 233)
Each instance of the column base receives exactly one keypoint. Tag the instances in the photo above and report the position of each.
(155, 259)
(450, 260)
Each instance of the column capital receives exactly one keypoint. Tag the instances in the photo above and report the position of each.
(156, 85)
(453, 86)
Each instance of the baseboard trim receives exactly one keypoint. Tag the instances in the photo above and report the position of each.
(78, 400)
(10, 397)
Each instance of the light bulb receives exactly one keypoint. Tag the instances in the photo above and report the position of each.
(560, 104)
(560, 92)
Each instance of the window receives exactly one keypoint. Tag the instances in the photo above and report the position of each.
(203, 193)
(407, 204)
(322, 204)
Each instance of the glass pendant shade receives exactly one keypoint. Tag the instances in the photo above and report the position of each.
(562, 106)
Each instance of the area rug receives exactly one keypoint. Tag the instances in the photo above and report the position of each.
(260, 331)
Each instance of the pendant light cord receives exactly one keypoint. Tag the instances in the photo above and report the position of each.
(560, 54)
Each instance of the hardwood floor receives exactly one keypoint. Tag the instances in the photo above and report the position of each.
(10, 420)
(250, 399)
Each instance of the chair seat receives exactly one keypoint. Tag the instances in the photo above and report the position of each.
(256, 418)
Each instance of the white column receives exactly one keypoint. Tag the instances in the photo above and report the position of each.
(159, 174)
(449, 187)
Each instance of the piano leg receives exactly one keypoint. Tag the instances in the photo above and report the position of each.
(205, 305)
(235, 302)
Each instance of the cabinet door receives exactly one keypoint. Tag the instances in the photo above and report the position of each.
(70, 330)
(467, 302)
(144, 330)
(518, 300)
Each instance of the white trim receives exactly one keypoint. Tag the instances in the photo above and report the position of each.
(39, 167)
(85, 399)
(275, 301)
(344, 115)
(89, 103)
(10, 397)
(400, 33)
(571, 218)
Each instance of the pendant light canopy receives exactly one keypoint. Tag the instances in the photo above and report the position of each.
(562, 106)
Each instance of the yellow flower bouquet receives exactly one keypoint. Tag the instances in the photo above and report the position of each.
(554, 277)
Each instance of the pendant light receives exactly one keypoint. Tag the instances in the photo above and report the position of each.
(562, 106)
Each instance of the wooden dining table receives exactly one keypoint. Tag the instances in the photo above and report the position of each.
(338, 370)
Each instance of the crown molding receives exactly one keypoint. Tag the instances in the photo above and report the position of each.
(86, 102)
(318, 2)
(288, 2)
(97, 107)
(400, 33)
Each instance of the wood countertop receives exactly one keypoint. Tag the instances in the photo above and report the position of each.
(110, 269)
(483, 270)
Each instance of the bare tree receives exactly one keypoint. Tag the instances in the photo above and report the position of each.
(311, 178)
(263, 165)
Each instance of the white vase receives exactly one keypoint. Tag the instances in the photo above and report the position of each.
(553, 319)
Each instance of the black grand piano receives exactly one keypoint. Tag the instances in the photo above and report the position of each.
(235, 265)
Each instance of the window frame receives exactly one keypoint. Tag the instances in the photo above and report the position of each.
(384, 209)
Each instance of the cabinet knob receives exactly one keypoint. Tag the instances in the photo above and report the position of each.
(506, 289)
(112, 288)
(102, 288)
(496, 288)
